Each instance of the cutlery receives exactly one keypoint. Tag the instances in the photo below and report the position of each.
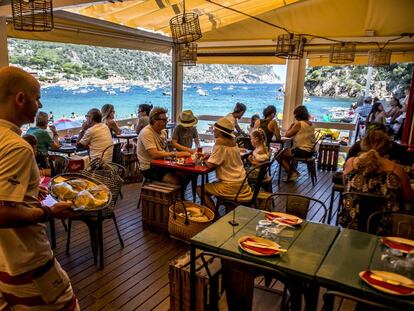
(390, 281)
(262, 245)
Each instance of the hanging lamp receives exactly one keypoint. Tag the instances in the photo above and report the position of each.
(290, 46)
(379, 58)
(187, 54)
(185, 28)
(342, 53)
(32, 15)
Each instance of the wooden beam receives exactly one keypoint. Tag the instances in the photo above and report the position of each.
(4, 53)
(177, 86)
(5, 7)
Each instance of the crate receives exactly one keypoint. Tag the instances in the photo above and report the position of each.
(156, 198)
(328, 156)
(208, 283)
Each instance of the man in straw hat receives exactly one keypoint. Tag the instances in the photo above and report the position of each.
(225, 158)
(30, 276)
(185, 132)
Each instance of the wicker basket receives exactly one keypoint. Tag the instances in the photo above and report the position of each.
(182, 227)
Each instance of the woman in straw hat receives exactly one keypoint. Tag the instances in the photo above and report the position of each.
(185, 132)
(225, 158)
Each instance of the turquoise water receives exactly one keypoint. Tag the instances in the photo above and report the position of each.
(219, 99)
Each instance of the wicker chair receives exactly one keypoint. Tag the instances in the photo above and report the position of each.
(106, 174)
(400, 224)
(296, 204)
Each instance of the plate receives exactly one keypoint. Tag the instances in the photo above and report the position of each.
(256, 239)
(283, 218)
(91, 183)
(400, 244)
(382, 282)
(67, 148)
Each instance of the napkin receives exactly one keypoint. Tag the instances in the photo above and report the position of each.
(398, 245)
(282, 219)
(261, 250)
(395, 288)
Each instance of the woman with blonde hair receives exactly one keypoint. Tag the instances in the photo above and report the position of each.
(108, 118)
(372, 173)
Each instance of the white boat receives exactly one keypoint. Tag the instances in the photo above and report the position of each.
(341, 115)
(111, 92)
(217, 88)
(166, 93)
(124, 89)
(202, 92)
(231, 87)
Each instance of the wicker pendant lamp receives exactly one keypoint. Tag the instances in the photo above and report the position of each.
(187, 54)
(379, 58)
(185, 28)
(342, 53)
(32, 15)
(290, 46)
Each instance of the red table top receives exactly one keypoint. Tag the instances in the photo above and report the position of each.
(185, 168)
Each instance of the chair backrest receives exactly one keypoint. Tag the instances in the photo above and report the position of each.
(256, 183)
(297, 204)
(244, 142)
(363, 304)
(116, 152)
(59, 164)
(361, 206)
(400, 224)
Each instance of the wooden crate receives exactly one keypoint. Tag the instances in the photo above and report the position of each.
(328, 156)
(208, 283)
(156, 198)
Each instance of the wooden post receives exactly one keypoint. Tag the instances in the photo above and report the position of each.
(408, 131)
(177, 86)
(4, 53)
(295, 79)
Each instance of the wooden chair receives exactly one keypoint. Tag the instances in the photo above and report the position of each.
(107, 175)
(310, 161)
(232, 203)
(400, 224)
(267, 183)
(362, 304)
(296, 204)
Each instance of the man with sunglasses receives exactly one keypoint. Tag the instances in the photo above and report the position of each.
(152, 144)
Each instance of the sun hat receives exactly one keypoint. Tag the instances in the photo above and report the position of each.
(187, 119)
(224, 125)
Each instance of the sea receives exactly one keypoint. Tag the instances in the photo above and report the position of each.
(201, 98)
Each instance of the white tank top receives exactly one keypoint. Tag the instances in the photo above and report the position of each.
(305, 138)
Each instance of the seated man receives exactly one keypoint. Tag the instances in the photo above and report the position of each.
(185, 132)
(95, 135)
(237, 114)
(152, 144)
(44, 141)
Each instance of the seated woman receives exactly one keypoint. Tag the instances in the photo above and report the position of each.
(377, 114)
(260, 153)
(269, 124)
(395, 110)
(303, 134)
(374, 174)
(185, 132)
(253, 120)
(143, 117)
(108, 118)
(225, 157)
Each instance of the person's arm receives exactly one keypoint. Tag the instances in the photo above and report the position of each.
(237, 127)
(177, 146)
(157, 154)
(407, 191)
(13, 215)
(256, 124)
(114, 127)
(55, 144)
(293, 129)
(349, 165)
(275, 130)
(196, 138)
(85, 127)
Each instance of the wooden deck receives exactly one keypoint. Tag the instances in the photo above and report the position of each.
(136, 277)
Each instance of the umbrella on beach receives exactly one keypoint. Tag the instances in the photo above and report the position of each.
(66, 124)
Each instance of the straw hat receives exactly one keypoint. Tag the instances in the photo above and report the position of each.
(224, 125)
(187, 119)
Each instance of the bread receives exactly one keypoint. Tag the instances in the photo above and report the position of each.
(78, 184)
(64, 191)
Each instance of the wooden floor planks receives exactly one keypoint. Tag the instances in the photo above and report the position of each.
(136, 277)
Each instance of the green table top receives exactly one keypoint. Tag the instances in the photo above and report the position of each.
(352, 252)
(307, 245)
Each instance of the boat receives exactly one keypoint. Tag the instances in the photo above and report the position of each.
(307, 99)
(341, 115)
(111, 92)
(166, 93)
(202, 92)
(217, 88)
(124, 89)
